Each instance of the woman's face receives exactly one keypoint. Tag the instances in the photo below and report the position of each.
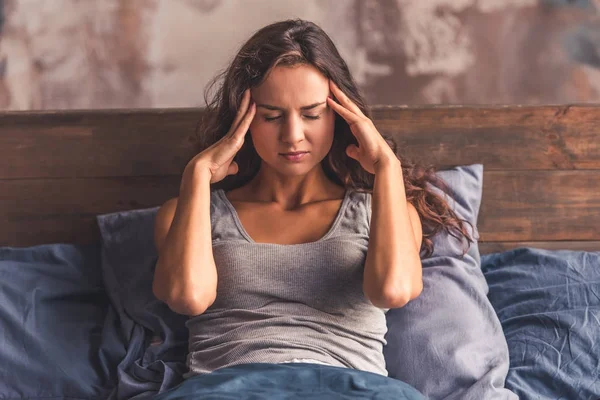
(292, 115)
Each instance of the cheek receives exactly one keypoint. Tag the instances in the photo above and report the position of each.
(256, 130)
(260, 137)
(254, 126)
(262, 128)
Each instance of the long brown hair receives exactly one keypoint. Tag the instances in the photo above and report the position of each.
(293, 42)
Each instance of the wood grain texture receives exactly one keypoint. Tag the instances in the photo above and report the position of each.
(58, 170)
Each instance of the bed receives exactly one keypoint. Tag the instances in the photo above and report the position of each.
(60, 170)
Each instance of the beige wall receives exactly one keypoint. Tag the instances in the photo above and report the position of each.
(64, 54)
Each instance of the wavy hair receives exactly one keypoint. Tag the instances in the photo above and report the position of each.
(289, 43)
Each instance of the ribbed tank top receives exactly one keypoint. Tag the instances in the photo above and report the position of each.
(278, 302)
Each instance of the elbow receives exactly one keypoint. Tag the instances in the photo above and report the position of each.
(399, 296)
(186, 304)
(395, 297)
(185, 298)
(199, 306)
(191, 305)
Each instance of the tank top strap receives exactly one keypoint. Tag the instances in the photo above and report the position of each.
(355, 219)
(221, 218)
(357, 216)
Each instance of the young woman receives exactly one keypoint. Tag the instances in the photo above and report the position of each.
(316, 229)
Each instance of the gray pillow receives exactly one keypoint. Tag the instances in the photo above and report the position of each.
(448, 343)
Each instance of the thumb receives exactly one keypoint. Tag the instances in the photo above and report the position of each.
(352, 151)
(233, 168)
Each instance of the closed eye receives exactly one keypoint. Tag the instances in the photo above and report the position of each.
(306, 116)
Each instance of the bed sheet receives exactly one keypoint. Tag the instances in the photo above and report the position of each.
(548, 302)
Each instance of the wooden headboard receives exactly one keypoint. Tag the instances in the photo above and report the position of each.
(59, 169)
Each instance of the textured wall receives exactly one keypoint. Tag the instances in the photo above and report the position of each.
(58, 54)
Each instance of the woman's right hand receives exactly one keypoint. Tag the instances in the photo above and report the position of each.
(218, 158)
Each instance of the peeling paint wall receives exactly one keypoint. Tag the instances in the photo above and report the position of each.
(65, 54)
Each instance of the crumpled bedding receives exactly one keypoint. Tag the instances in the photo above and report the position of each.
(548, 302)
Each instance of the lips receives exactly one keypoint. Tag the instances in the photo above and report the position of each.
(295, 157)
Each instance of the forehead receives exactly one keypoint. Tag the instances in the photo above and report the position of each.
(292, 87)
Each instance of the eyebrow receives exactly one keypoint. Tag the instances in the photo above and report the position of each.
(270, 107)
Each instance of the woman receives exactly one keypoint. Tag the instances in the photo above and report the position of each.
(314, 229)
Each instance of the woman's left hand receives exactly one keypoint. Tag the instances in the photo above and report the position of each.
(372, 151)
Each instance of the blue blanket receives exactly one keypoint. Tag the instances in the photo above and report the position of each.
(290, 381)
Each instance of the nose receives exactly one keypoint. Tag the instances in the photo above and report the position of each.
(292, 130)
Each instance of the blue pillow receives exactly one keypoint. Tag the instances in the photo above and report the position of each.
(57, 336)
(548, 302)
(448, 342)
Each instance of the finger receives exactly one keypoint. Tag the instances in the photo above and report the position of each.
(352, 151)
(234, 138)
(244, 125)
(348, 115)
(242, 110)
(233, 168)
(344, 100)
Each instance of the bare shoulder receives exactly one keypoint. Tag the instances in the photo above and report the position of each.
(163, 220)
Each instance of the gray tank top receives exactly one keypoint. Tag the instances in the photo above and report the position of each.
(280, 302)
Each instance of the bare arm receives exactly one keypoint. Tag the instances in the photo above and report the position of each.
(393, 270)
(186, 276)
